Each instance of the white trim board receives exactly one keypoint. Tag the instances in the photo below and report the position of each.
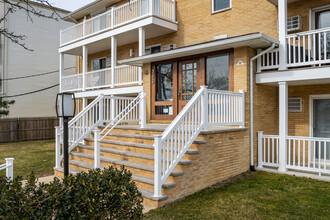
(115, 91)
(308, 76)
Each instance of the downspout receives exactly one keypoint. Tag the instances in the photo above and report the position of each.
(252, 168)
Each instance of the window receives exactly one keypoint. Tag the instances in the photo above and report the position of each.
(220, 5)
(165, 82)
(217, 72)
(99, 63)
(152, 49)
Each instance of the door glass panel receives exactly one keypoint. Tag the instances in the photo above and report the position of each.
(189, 80)
(217, 72)
(165, 82)
(322, 20)
(321, 127)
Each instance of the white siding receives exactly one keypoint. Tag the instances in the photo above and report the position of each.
(43, 36)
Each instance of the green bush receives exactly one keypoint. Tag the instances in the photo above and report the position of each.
(98, 194)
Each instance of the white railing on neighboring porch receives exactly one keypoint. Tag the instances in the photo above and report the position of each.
(118, 16)
(304, 49)
(206, 108)
(309, 154)
(9, 166)
(104, 109)
(125, 75)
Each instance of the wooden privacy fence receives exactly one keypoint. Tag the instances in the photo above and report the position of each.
(25, 129)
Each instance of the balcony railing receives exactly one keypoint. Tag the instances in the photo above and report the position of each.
(304, 49)
(124, 76)
(118, 16)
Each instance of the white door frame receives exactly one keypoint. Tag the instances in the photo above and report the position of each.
(311, 110)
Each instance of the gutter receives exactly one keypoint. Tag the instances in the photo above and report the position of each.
(252, 167)
(69, 16)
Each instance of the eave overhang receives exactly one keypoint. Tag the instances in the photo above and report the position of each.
(254, 40)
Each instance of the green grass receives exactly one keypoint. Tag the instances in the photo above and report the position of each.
(36, 156)
(254, 196)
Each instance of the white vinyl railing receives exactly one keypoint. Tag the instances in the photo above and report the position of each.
(118, 16)
(304, 49)
(9, 167)
(200, 112)
(99, 78)
(125, 75)
(104, 109)
(309, 154)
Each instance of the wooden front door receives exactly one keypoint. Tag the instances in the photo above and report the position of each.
(188, 81)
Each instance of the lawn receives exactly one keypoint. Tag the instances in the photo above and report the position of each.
(254, 196)
(36, 156)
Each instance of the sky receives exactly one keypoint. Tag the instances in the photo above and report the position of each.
(70, 5)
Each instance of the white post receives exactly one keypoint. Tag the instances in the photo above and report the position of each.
(112, 108)
(97, 160)
(112, 17)
(282, 32)
(173, 10)
(259, 61)
(260, 133)
(205, 111)
(242, 110)
(85, 65)
(61, 70)
(283, 125)
(158, 166)
(101, 110)
(10, 168)
(57, 147)
(84, 102)
(151, 7)
(113, 60)
(143, 109)
(84, 27)
(142, 46)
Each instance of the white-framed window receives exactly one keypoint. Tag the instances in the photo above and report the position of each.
(220, 5)
(319, 17)
(98, 63)
(152, 49)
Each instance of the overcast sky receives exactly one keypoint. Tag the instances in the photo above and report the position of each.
(70, 5)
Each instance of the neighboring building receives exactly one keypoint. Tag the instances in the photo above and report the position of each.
(167, 49)
(43, 38)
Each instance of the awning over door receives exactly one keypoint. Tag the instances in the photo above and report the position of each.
(255, 40)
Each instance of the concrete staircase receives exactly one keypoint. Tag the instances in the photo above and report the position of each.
(132, 147)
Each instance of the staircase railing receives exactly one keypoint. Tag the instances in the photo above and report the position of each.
(206, 108)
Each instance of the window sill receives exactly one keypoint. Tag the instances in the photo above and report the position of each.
(219, 11)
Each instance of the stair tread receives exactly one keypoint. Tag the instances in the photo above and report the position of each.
(139, 136)
(150, 195)
(130, 153)
(73, 172)
(150, 181)
(147, 146)
(118, 162)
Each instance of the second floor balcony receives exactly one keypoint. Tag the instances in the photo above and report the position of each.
(119, 16)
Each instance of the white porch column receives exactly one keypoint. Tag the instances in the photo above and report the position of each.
(113, 60)
(142, 109)
(61, 70)
(151, 7)
(282, 32)
(283, 125)
(142, 46)
(85, 65)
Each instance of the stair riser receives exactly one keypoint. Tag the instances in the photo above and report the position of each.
(127, 158)
(139, 132)
(140, 141)
(135, 149)
(150, 187)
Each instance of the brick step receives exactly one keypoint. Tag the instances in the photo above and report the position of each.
(147, 195)
(142, 139)
(147, 159)
(87, 161)
(128, 130)
(130, 146)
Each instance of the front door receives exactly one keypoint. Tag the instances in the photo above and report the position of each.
(188, 81)
(321, 125)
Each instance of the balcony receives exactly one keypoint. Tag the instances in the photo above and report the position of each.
(119, 16)
(304, 49)
(124, 76)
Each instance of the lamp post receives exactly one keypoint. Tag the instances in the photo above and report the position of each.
(65, 108)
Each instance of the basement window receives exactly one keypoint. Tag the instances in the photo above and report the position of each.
(295, 105)
(220, 5)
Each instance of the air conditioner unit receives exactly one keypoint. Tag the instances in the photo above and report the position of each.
(169, 47)
(294, 23)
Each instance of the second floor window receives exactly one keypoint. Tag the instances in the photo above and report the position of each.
(220, 5)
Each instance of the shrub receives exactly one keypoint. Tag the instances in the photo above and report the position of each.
(98, 194)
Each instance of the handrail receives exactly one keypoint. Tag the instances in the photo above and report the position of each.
(114, 122)
(309, 32)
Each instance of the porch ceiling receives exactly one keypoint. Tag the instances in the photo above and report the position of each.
(275, 2)
(255, 40)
